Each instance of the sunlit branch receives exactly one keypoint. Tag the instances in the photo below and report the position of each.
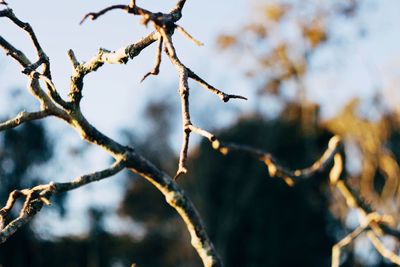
(184, 95)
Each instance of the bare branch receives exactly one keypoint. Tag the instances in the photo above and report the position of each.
(275, 169)
(184, 94)
(35, 198)
(39, 195)
(92, 177)
(95, 15)
(121, 56)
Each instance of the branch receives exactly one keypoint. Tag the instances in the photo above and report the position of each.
(379, 224)
(121, 56)
(92, 177)
(336, 249)
(177, 198)
(223, 96)
(22, 117)
(8, 13)
(275, 169)
(24, 61)
(34, 200)
(39, 195)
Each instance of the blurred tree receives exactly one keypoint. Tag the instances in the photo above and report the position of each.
(277, 48)
(22, 150)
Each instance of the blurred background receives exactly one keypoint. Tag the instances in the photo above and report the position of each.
(311, 69)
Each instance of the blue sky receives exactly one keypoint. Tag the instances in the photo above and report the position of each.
(113, 96)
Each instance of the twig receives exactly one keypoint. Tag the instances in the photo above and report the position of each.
(35, 198)
(92, 177)
(120, 56)
(184, 95)
(156, 68)
(187, 35)
(39, 195)
(223, 96)
(95, 15)
(23, 60)
(22, 117)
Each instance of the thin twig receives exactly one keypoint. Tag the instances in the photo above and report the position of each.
(95, 15)
(187, 35)
(156, 68)
(223, 96)
(184, 95)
